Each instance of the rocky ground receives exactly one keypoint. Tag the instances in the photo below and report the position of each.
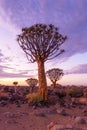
(28, 118)
(60, 113)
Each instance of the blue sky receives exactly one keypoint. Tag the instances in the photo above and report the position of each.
(71, 18)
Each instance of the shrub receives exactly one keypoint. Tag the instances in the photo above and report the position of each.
(74, 91)
(4, 95)
(33, 97)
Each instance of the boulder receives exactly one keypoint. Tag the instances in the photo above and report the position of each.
(62, 112)
(80, 120)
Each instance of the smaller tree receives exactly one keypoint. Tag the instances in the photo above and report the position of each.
(54, 75)
(32, 83)
(15, 83)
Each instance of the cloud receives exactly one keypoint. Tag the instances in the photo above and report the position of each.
(5, 21)
(1, 55)
(80, 69)
(69, 15)
(7, 69)
(13, 73)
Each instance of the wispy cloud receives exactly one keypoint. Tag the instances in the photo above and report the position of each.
(9, 68)
(80, 69)
(69, 15)
(12, 72)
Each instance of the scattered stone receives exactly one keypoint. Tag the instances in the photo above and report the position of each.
(3, 103)
(62, 112)
(10, 115)
(40, 114)
(49, 111)
(21, 113)
(58, 127)
(12, 121)
(84, 111)
(80, 120)
(51, 125)
(55, 126)
(68, 101)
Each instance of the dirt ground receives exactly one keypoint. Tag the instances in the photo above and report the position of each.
(28, 118)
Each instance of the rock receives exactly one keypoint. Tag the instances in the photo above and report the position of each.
(21, 113)
(49, 111)
(41, 114)
(3, 103)
(12, 121)
(62, 112)
(44, 112)
(55, 126)
(68, 101)
(80, 120)
(51, 125)
(58, 127)
(53, 99)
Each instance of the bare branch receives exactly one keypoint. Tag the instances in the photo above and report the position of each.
(41, 42)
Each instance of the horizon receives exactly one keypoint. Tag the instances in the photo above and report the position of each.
(63, 81)
(68, 15)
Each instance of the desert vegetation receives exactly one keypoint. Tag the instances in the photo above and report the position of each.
(67, 105)
(57, 95)
(54, 75)
(32, 82)
(40, 43)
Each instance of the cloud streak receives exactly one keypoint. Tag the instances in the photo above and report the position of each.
(69, 15)
(80, 69)
(13, 73)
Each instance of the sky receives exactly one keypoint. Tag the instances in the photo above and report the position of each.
(70, 16)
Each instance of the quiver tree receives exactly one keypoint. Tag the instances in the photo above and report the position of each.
(32, 83)
(15, 83)
(40, 43)
(54, 75)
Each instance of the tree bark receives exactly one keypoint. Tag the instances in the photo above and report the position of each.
(42, 81)
(54, 84)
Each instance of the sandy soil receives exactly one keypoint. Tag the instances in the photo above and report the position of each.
(25, 117)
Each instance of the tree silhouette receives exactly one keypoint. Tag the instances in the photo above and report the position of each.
(40, 43)
(54, 75)
(15, 83)
(32, 83)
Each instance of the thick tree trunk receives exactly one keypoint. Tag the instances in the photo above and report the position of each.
(42, 81)
(54, 84)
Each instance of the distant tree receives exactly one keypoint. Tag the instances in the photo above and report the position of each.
(54, 75)
(40, 43)
(32, 83)
(15, 83)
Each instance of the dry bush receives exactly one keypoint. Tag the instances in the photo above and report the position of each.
(81, 100)
(74, 91)
(33, 97)
(4, 95)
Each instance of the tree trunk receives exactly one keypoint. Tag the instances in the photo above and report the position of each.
(42, 81)
(54, 84)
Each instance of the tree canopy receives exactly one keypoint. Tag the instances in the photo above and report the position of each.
(41, 42)
(54, 75)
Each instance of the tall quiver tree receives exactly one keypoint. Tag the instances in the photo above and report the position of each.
(40, 43)
(54, 75)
